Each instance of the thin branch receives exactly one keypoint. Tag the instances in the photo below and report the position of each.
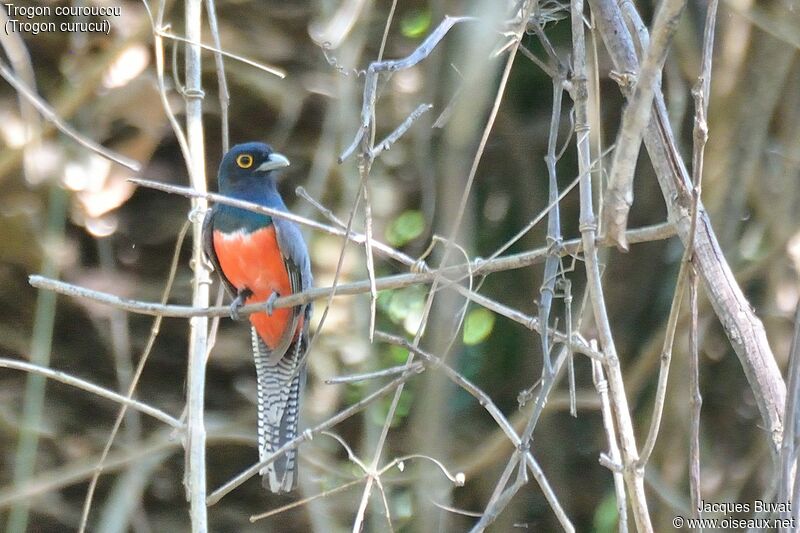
(50, 115)
(266, 68)
(224, 95)
(195, 472)
(82, 384)
(357, 238)
(303, 501)
(601, 385)
(393, 65)
(538, 62)
(787, 488)
(501, 495)
(398, 281)
(619, 195)
(391, 371)
(666, 358)
(695, 402)
(158, 45)
(634, 478)
(479, 267)
(370, 256)
(401, 129)
(700, 136)
(551, 264)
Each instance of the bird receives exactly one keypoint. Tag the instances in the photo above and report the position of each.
(260, 258)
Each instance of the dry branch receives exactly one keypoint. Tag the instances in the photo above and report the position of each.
(478, 266)
(50, 114)
(743, 328)
(195, 473)
(619, 195)
(72, 381)
(629, 454)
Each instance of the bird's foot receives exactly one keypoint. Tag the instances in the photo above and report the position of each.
(271, 302)
(238, 303)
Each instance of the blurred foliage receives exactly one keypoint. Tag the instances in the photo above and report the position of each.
(478, 326)
(120, 239)
(416, 23)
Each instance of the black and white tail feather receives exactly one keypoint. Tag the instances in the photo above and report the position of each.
(279, 387)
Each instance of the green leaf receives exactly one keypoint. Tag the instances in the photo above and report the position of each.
(405, 228)
(415, 23)
(478, 326)
(606, 516)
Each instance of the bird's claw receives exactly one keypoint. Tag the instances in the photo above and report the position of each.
(271, 302)
(238, 303)
(235, 306)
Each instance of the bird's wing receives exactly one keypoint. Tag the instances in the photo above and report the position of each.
(211, 254)
(295, 254)
(295, 259)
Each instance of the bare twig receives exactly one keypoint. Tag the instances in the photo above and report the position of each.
(619, 195)
(391, 371)
(787, 486)
(82, 384)
(479, 267)
(500, 498)
(218, 51)
(601, 385)
(195, 476)
(695, 402)
(49, 114)
(634, 478)
(665, 359)
(701, 93)
(571, 247)
(376, 68)
(224, 95)
(551, 264)
(301, 502)
(401, 129)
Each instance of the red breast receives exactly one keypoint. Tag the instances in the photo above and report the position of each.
(253, 260)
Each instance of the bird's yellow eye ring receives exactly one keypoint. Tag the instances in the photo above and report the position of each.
(244, 161)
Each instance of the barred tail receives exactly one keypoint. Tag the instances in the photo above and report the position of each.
(279, 388)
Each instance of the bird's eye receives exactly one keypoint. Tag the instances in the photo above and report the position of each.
(244, 161)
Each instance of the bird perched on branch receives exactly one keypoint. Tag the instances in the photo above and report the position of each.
(259, 258)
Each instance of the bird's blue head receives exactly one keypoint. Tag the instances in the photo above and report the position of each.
(247, 163)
